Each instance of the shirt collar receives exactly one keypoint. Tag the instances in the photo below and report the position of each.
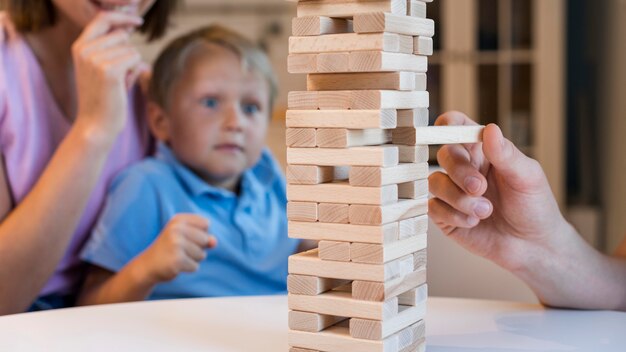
(254, 181)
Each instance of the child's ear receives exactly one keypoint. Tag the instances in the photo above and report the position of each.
(158, 121)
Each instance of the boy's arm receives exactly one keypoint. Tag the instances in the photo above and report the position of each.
(103, 286)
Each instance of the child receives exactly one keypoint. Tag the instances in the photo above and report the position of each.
(211, 98)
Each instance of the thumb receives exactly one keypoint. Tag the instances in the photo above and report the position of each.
(517, 169)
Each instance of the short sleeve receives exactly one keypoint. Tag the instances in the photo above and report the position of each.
(128, 224)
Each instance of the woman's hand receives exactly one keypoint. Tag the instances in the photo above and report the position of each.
(106, 64)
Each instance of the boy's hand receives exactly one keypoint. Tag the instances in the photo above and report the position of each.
(180, 247)
(494, 200)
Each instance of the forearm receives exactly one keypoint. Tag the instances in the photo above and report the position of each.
(35, 235)
(128, 285)
(570, 273)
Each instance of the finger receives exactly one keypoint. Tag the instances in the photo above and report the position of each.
(194, 251)
(194, 220)
(112, 54)
(448, 218)
(106, 21)
(133, 76)
(516, 169)
(457, 162)
(454, 118)
(118, 67)
(110, 40)
(442, 187)
(188, 265)
(198, 237)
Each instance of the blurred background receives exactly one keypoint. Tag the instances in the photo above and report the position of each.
(551, 73)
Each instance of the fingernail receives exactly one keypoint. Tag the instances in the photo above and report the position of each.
(472, 221)
(472, 184)
(482, 209)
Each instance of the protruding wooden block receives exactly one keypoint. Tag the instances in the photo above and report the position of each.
(384, 214)
(341, 304)
(334, 250)
(413, 227)
(355, 119)
(421, 82)
(380, 176)
(358, 100)
(345, 138)
(414, 297)
(390, 23)
(319, 25)
(379, 291)
(383, 253)
(423, 46)
(377, 61)
(437, 135)
(413, 190)
(301, 137)
(312, 285)
(312, 322)
(347, 9)
(378, 330)
(334, 213)
(358, 156)
(308, 263)
(413, 118)
(310, 174)
(416, 8)
(413, 154)
(343, 232)
(341, 192)
(302, 100)
(333, 62)
(346, 42)
(362, 81)
(302, 211)
(302, 63)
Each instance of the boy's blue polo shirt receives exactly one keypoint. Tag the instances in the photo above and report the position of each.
(251, 228)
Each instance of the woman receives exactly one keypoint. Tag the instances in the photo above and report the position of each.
(71, 116)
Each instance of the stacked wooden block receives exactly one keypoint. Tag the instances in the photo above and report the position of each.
(357, 174)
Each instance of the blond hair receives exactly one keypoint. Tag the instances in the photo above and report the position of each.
(172, 61)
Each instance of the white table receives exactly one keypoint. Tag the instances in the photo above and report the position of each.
(259, 324)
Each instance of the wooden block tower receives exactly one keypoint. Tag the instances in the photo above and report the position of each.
(357, 153)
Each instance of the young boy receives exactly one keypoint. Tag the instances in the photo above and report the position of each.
(211, 98)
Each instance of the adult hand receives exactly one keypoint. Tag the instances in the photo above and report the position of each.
(494, 200)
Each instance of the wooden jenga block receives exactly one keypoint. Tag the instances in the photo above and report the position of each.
(312, 322)
(310, 174)
(358, 100)
(312, 285)
(377, 61)
(319, 25)
(419, 259)
(301, 137)
(367, 176)
(437, 135)
(362, 81)
(334, 213)
(347, 9)
(420, 81)
(383, 253)
(423, 46)
(348, 42)
(308, 263)
(303, 100)
(334, 250)
(343, 193)
(345, 138)
(344, 232)
(413, 227)
(390, 23)
(356, 119)
(413, 118)
(335, 100)
(358, 156)
(332, 62)
(378, 330)
(416, 8)
(302, 63)
(380, 291)
(302, 211)
(413, 190)
(384, 214)
(414, 297)
(341, 304)
(413, 154)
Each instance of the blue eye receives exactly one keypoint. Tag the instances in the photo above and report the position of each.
(210, 103)
(250, 109)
